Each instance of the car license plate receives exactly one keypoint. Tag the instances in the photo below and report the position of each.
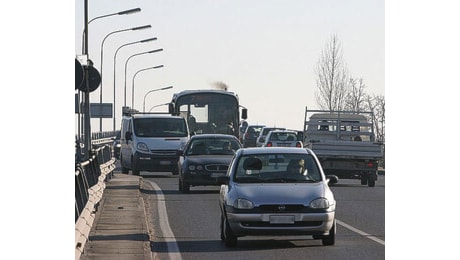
(282, 219)
(165, 162)
(217, 174)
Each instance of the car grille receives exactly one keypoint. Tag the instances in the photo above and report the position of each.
(296, 224)
(282, 208)
(216, 167)
(164, 152)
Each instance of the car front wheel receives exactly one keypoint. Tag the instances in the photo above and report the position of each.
(329, 240)
(227, 235)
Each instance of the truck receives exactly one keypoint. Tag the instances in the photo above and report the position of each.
(344, 142)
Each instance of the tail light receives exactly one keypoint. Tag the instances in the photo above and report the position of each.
(269, 144)
(298, 144)
(370, 164)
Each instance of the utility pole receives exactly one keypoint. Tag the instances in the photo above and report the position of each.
(87, 111)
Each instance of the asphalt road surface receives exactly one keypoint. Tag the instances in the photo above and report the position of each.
(186, 226)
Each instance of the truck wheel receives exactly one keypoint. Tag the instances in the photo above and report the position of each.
(371, 183)
(364, 179)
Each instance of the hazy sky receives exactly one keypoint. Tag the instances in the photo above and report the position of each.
(265, 51)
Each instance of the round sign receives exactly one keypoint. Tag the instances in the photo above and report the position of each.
(79, 74)
(94, 79)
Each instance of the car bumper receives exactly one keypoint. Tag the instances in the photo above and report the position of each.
(154, 163)
(202, 179)
(280, 223)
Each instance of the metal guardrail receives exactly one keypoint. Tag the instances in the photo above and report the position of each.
(87, 174)
(90, 178)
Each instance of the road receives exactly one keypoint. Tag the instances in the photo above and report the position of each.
(186, 226)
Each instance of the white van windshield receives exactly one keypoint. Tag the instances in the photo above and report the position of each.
(160, 127)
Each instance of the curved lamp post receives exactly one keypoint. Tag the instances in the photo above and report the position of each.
(130, 11)
(87, 119)
(135, 74)
(134, 55)
(153, 90)
(114, 62)
(102, 50)
(164, 104)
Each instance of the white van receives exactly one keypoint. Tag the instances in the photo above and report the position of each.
(149, 142)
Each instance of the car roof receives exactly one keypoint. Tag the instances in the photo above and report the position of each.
(207, 136)
(155, 116)
(272, 150)
(283, 131)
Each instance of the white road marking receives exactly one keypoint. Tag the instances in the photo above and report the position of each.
(362, 233)
(170, 239)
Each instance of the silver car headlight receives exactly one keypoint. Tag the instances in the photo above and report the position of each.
(321, 203)
(142, 147)
(243, 204)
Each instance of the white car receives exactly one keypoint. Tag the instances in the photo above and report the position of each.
(261, 138)
(276, 191)
(282, 138)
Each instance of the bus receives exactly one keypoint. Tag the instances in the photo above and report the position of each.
(209, 111)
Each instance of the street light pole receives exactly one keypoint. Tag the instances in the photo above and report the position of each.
(102, 49)
(134, 55)
(85, 31)
(164, 104)
(114, 62)
(153, 90)
(132, 93)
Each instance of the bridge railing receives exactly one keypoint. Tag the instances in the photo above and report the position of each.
(90, 178)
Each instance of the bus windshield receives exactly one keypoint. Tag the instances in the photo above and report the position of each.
(209, 112)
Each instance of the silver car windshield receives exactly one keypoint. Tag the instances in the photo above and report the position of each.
(277, 168)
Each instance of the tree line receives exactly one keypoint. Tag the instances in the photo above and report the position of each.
(338, 90)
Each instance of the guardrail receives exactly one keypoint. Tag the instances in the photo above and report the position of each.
(90, 178)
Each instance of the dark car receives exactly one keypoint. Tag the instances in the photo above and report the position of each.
(204, 158)
(251, 134)
(117, 145)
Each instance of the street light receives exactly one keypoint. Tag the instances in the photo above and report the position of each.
(164, 104)
(132, 93)
(87, 121)
(102, 49)
(134, 55)
(130, 11)
(114, 62)
(153, 90)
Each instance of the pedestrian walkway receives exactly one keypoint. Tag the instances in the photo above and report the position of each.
(120, 228)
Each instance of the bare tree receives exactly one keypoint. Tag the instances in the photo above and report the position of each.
(356, 96)
(332, 81)
(376, 104)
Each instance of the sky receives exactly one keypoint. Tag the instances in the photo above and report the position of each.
(407, 50)
(265, 51)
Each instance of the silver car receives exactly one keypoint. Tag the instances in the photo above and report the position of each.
(282, 138)
(276, 191)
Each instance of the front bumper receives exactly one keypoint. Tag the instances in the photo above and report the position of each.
(243, 224)
(155, 162)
